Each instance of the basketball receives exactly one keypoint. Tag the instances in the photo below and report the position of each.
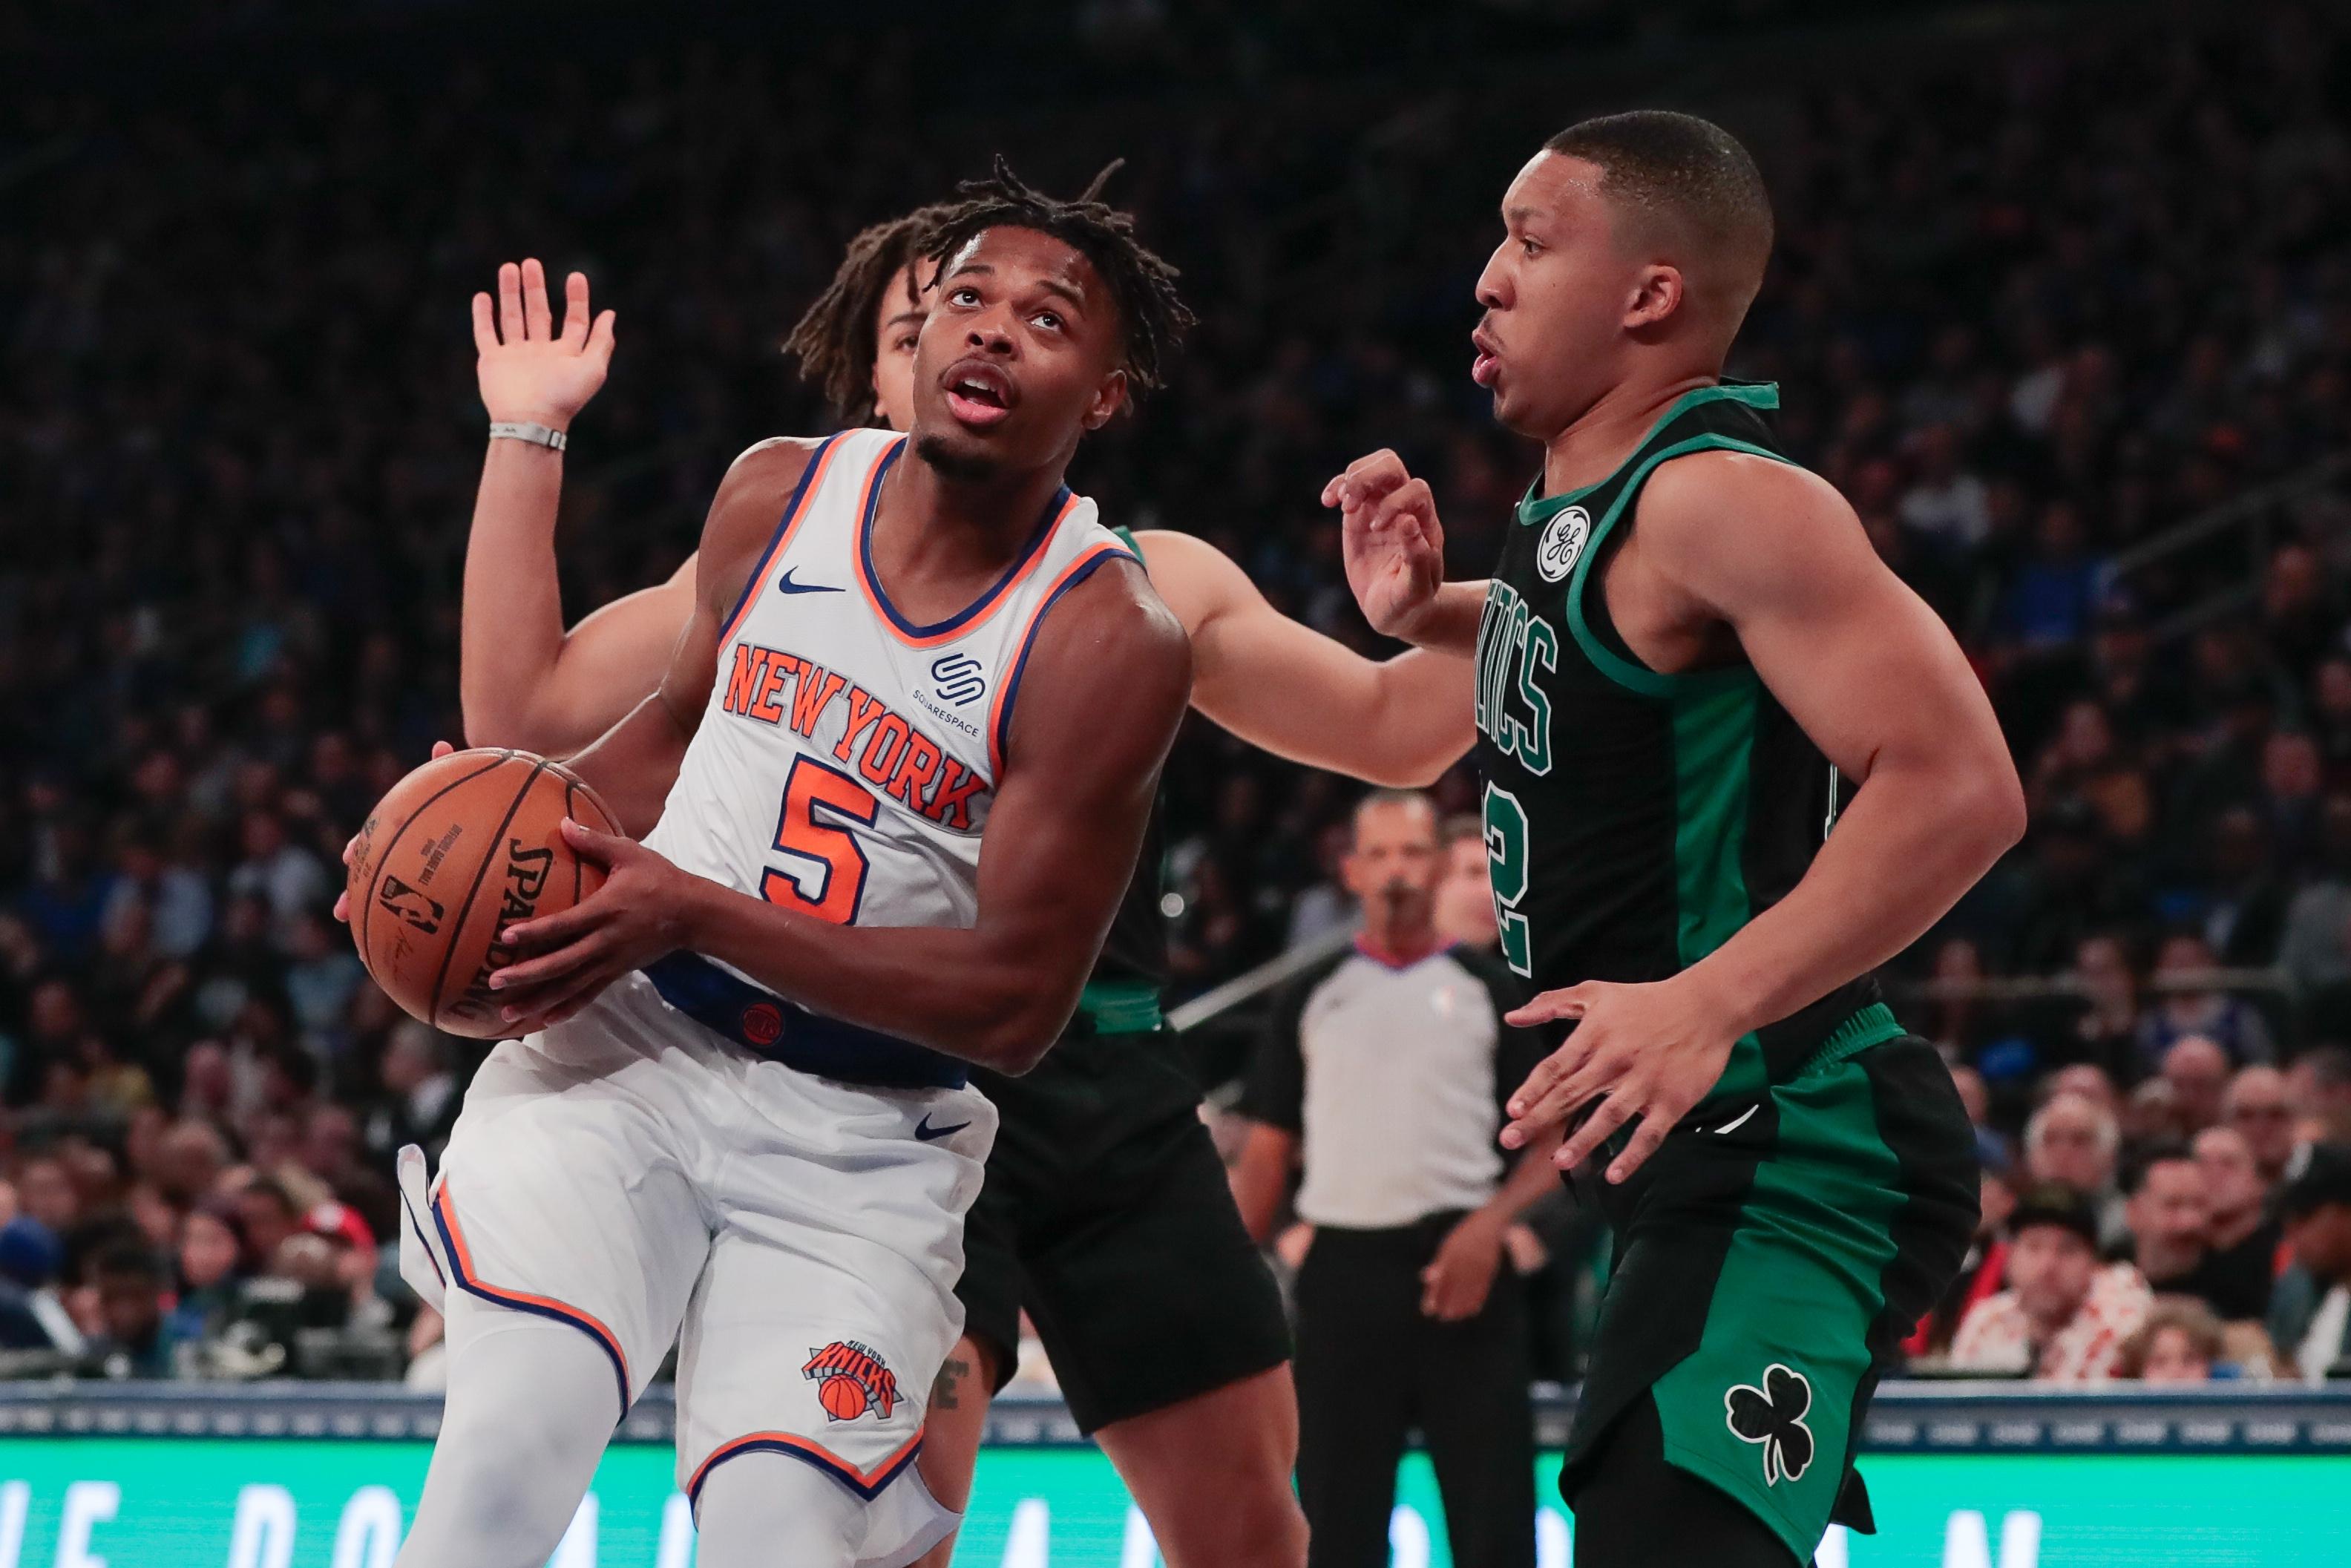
(843, 1398)
(459, 850)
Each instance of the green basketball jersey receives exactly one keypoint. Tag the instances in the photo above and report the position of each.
(1636, 820)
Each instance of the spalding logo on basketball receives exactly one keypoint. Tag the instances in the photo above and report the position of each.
(1562, 541)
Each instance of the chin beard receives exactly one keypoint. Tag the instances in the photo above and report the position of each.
(970, 467)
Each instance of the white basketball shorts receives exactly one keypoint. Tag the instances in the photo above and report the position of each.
(648, 1182)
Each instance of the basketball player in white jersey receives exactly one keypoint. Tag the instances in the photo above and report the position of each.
(1206, 1438)
(743, 1119)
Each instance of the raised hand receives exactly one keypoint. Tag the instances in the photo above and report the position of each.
(529, 372)
(1391, 539)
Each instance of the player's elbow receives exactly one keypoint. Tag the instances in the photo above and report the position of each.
(1010, 1026)
(1990, 804)
(1420, 769)
(1016, 1041)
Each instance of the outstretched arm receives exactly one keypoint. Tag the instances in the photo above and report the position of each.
(1103, 690)
(1875, 678)
(1282, 686)
(523, 680)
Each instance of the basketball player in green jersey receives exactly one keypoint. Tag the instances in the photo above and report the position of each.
(1105, 1214)
(1688, 644)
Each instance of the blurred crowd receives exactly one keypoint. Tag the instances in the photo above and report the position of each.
(2034, 306)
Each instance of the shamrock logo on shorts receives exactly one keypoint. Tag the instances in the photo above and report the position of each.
(1774, 1416)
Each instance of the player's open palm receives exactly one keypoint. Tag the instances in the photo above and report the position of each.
(1392, 542)
(529, 371)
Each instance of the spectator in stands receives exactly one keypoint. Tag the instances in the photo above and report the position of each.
(1960, 1020)
(32, 1262)
(2311, 1316)
(1465, 898)
(2292, 777)
(2318, 1088)
(2196, 1070)
(2049, 600)
(2090, 1082)
(2257, 1108)
(2064, 1318)
(2180, 1341)
(2105, 1033)
(211, 1259)
(2189, 1009)
(269, 1216)
(190, 1158)
(1945, 502)
(2243, 1241)
(132, 1287)
(2074, 1142)
(2245, 907)
(421, 1096)
(2171, 1231)
(2302, 616)
(2314, 948)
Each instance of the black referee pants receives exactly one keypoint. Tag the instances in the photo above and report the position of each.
(1371, 1367)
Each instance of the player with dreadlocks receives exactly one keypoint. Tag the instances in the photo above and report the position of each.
(890, 790)
(1105, 1211)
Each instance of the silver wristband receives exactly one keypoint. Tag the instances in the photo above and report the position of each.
(537, 434)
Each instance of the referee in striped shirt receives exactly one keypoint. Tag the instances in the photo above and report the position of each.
(1383, 1074)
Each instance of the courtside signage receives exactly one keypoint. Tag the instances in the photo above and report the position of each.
(340, 1502)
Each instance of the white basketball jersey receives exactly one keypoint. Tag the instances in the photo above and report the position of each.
(848, 756)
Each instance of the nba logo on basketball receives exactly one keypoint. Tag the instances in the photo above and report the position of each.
(850, 1379)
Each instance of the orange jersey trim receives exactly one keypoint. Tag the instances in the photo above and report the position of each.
(978, 611)
(867, 1484)
(999, 711)
(460, 1261)
(803, 496)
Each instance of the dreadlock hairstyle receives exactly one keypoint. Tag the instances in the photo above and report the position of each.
(1151, 318)
(834, 340)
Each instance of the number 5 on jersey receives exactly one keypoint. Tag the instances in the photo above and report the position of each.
(836, 861)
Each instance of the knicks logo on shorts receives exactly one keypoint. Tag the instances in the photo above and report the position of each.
(850, 1379)
(762, 1023)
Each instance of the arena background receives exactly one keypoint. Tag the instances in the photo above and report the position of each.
(2062, 300)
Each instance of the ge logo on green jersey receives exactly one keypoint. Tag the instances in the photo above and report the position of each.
(1562, 540)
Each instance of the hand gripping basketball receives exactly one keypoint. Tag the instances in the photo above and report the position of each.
(462, 848)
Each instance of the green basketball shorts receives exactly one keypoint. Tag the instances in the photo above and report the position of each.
(1769, 1258)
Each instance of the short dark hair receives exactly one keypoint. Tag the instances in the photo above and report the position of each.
(834, 337)
(1151, 317)
(1688, 172)
(2158, 1151)
(275, 1191)
(133, 1261)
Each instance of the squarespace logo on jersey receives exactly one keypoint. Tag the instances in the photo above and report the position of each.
(959, 679)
